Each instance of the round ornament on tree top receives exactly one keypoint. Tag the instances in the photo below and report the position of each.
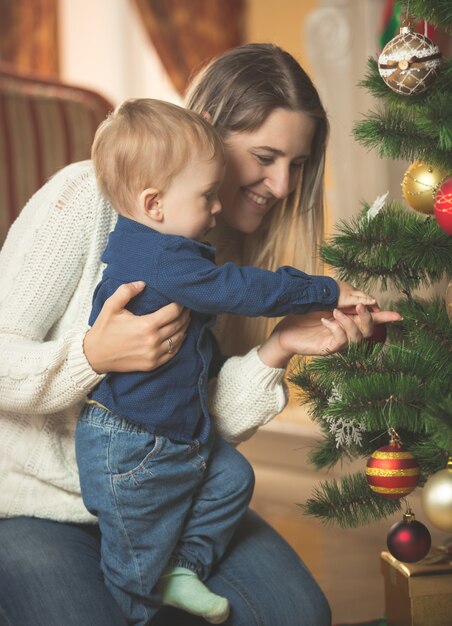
(409, 63)
(392, 471)
(409, 540)
(420, 184)
(437, 499)
(442, 206)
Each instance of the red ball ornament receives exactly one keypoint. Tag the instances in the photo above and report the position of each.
(442, 206)
(409, 540)
(392, 471)
(378, 336)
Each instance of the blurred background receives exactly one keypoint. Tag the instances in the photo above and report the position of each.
(149, 48)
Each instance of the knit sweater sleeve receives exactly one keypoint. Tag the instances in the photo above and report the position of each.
(246, 395)
(43, 367)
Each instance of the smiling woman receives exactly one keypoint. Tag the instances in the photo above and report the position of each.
(49, 267)
(266, 167)
(275, 129)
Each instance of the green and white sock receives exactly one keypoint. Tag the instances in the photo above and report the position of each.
(181, 588)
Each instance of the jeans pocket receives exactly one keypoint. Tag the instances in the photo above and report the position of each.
(130, 452)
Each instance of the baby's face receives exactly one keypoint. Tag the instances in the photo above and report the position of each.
(190, 203)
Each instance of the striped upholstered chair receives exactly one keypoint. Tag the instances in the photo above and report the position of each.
(43, 126)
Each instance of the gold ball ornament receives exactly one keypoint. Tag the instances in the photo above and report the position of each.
(409, 63)
(420, 184)
(437, 499)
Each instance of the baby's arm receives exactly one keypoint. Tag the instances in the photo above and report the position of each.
(181, 274)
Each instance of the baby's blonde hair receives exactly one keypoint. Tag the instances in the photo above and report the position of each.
(145, 143)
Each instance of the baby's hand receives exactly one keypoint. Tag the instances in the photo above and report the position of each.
(350, 296)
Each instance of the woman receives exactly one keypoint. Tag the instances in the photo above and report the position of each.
(275, 131)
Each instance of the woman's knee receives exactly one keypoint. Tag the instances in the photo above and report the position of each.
(49, 575)
(268, 582)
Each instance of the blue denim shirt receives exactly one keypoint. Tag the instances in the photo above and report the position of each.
(172, 399)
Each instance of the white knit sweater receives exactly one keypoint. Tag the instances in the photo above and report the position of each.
(49, 266)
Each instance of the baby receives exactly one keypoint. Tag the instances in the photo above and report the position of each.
(168, 492)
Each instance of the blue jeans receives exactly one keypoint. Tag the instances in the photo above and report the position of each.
(157, 502)
(50, 576)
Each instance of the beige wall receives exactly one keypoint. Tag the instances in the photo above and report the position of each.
(281, 22)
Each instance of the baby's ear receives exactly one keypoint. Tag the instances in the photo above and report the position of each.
(151, 205)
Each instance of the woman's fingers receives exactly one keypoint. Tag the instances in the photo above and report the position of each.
(173, 320)
(169, 327)
(120, 341)
(339, 337)
(365, 321)
(355, 324)
(384, 317)
(349, 326)
(122, 296)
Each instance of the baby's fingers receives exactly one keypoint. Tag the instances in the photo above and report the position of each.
(352, 298)
(362, 298)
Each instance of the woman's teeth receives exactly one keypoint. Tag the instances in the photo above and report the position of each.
(255, 198)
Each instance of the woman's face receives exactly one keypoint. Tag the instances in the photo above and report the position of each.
(264, 166)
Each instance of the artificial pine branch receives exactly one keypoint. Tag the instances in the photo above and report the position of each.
(326, 454)
(412, 105)
(405, 384)
(365, 251)
(430, 456)
(398, 137)
(410, 127)
(436, 12)
(349, 502)
(386, 386)
(428, 329)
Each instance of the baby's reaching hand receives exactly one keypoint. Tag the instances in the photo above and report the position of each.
(350, 296)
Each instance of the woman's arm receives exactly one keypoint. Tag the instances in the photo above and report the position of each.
(246, 395)
(41, 265)
(49, 266)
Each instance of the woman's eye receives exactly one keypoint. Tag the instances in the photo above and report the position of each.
(265, 160)
(297, 165)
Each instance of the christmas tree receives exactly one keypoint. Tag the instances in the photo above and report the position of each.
(393, 395)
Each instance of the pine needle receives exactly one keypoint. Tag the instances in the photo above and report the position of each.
(349, 502)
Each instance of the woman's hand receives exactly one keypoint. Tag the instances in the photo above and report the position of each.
(122, 342)
(318, 333)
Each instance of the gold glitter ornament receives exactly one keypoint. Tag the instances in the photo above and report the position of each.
(420, 184)
(437, 499)
(409, 63)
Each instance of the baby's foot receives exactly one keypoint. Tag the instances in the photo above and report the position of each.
(181, 588)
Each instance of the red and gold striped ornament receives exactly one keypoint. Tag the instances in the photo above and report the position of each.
(392, 471)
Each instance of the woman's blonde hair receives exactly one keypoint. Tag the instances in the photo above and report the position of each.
(239, 90)
(144, 143)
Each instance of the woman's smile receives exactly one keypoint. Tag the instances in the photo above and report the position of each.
(264, 166)
(261, 202)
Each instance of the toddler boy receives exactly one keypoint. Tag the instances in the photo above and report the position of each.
(168, 492)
